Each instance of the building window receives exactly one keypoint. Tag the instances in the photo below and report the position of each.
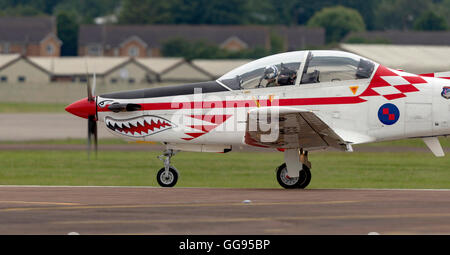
(83, 79)
(131, 80)
(133, 51)
(21, 79)
(50, 49)
(94, 50)
(4, 79)
(113, 80)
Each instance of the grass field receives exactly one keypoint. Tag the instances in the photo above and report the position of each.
(243, 170)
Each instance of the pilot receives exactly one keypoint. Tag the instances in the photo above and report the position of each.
(270, 75)
(287, 76)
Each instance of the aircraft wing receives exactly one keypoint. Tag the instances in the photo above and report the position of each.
(295, 129)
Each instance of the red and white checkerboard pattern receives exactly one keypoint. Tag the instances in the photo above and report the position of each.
(392, 84)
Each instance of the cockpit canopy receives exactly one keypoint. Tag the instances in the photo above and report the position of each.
(299, 67)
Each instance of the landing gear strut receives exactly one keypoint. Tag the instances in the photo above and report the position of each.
(303, 177)
(168, 175)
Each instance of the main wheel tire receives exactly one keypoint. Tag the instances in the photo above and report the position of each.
(168, 180)
(306, 179)
(300, 182)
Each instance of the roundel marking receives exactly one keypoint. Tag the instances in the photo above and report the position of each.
(388, 114)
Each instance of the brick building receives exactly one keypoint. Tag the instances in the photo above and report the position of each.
(29, 36)
(147, 40)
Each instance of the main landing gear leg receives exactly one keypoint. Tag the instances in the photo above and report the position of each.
(299, 174)
(168, 175)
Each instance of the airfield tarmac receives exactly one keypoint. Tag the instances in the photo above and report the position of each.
(148, 210)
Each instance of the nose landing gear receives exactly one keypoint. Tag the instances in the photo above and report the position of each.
(168, 175)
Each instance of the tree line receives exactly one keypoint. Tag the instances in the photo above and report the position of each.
(377, 14)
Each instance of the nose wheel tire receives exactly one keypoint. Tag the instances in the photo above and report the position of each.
(167, 178)
(300, 182)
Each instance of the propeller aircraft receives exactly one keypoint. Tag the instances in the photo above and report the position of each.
(293, 102)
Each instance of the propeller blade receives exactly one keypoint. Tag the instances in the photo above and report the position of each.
(92, 134)
(94, 84)
(95, 136)
(89, 137)
(92, 122)
(89, 89)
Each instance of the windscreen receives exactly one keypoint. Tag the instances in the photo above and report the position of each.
(276, 70)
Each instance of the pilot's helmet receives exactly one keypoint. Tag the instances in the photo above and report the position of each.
(270, 72)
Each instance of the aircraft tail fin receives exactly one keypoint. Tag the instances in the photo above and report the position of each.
(443, 75)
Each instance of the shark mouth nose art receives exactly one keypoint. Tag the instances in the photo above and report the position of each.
(140, 126)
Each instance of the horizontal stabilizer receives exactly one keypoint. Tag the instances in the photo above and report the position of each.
(434, 145)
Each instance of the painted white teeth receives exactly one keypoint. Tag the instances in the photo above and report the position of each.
(125, 127)
(133, 122)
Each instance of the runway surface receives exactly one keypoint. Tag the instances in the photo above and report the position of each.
(44, 126)
(135, 210)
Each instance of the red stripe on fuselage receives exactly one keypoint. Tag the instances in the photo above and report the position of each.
(247, 103)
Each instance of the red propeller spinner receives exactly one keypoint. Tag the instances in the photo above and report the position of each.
(83, 108)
